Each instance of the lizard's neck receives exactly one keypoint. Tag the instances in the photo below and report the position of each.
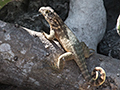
(56, 23)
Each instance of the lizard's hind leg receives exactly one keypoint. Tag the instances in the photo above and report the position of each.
(87, 52)
(90, 49)
(64, 57)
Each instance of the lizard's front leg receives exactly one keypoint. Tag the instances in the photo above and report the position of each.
(64, 57)
(51, 36)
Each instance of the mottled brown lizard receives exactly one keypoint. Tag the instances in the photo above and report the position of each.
(74, 49)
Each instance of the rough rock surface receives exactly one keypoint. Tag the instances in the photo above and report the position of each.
(110, 45)
(26, 57)
(87, 19)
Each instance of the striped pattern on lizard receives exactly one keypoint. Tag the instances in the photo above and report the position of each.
(74, 49)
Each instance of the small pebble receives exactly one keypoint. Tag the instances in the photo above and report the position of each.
(16, 58)
(100, 59)
(118, 75)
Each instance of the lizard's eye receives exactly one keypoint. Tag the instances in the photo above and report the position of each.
(47, 11)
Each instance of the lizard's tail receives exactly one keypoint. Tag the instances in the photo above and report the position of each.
(98, 76)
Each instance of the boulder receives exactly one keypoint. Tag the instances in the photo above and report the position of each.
(87, 19)
(110, 45)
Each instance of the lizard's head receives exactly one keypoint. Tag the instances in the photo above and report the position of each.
(51, 17)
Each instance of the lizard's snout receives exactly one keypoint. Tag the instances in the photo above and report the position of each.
(42, 9)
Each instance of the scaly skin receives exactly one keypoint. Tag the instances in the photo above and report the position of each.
(74, 49)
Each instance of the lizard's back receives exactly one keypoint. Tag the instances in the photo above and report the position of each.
(71, 44)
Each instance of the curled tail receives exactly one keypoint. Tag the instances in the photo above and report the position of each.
(98, 76)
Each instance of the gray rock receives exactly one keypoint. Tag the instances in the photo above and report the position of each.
(87, 19)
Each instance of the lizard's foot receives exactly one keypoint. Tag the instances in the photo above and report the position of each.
(50, 36)
(60, 63)
(90, 49)
(87, 52)
(64, 57)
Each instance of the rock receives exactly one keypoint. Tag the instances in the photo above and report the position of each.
(110, 45)
(25, 12)
(113, 10)
(34, 69)
(87, 19)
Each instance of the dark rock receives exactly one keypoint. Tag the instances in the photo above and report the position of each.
(110, 45)
(113, 10)
(25, 12)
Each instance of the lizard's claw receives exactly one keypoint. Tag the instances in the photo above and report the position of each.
(42, 31)
(91, 49)
(60, 64)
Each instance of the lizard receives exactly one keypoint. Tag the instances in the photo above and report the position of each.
(75, 50)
